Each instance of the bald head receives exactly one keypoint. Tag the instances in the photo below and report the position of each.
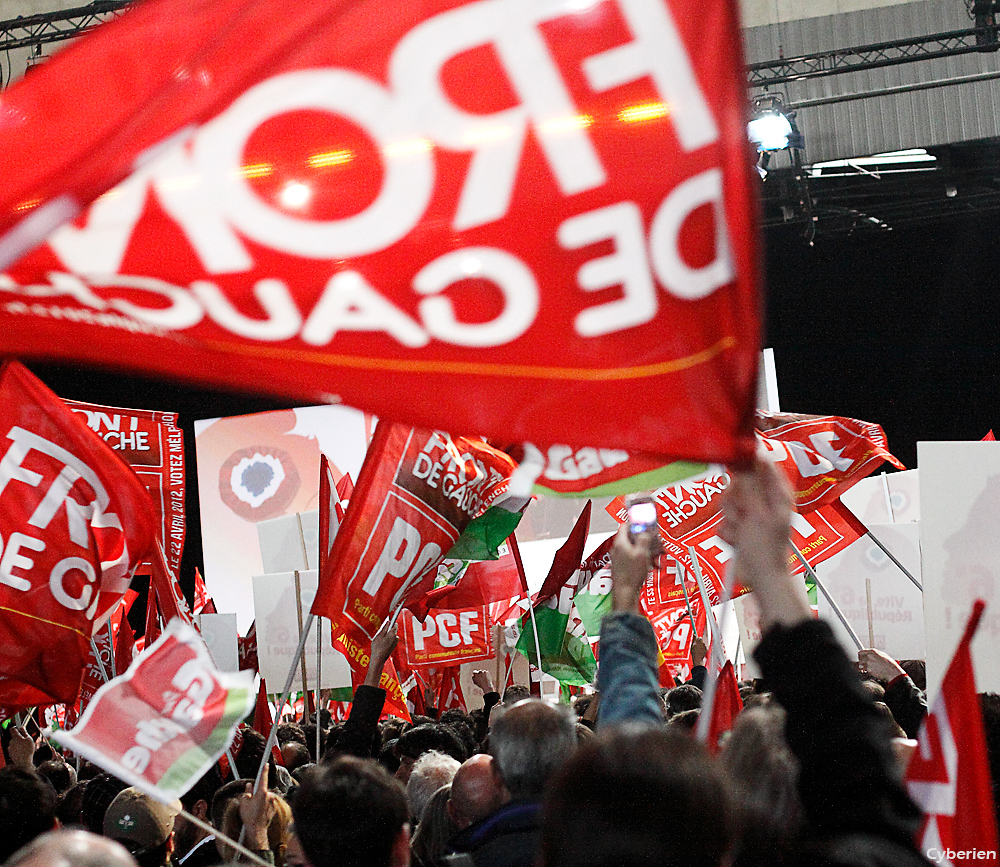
(66, 848)
(475, 792)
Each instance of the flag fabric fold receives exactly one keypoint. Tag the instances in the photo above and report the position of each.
(75, 520)
(949, 774)
(163, 723)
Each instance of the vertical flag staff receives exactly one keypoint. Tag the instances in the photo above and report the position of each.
(829, 598)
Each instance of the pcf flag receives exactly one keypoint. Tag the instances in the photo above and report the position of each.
(417, 490)
(165, 722)
(74, 521)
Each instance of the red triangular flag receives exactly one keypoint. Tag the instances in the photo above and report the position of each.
(153, 621)
(567, 559)
(949, 774)
(203, 603)
(989, 438)
(248, 649)
(727, 705)
(263, 721)
(450, 695)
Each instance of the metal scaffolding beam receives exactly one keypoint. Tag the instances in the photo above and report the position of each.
(29, 30)
(879, 54)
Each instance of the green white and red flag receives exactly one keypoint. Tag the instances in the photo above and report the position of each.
(167, 720)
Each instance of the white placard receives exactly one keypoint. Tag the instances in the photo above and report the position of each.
(290, 542)
(219, 634)
(897, 608)
(866, 498)
(748, 618)
(276, 610)
(960, 548)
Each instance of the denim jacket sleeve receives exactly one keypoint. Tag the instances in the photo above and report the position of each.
(627, 673)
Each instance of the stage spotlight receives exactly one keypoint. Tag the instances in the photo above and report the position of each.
(773, 127)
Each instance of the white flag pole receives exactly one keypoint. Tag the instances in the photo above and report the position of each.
(829, 598)
(718, 654)
(284, 696)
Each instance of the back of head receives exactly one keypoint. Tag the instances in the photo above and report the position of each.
(474, 792)
(763, 776)
(528, 742)
(27, 808)
(430, 842)
(683, 698)
(430, 736)
(515, 693)
(430, 772)
(71, 848)
(142, 825)
(349, 813)
(58, 773)
(101, 791)
(70, 804)
(634, 797)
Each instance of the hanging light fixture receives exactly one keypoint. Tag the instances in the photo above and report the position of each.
(772, 127)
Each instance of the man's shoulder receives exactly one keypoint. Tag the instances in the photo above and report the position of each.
(507, 838)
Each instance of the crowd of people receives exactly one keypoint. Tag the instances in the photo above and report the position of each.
(811, 773)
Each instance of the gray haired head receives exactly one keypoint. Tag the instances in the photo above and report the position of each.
(528, 742)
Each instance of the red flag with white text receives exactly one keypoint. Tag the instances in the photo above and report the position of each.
(150, 442)
(416, 492)
(165, 721)
(949, 774)
(444, 638)
(75, 520)
(326, 200)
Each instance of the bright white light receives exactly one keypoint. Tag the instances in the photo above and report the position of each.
(295, 194)
(770, 131)
(471, 265)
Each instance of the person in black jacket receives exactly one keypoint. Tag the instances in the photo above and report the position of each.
(855, 810)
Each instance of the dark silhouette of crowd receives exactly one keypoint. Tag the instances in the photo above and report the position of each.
(810, 773)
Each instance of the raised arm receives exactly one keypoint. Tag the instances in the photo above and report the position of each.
(848, 784)
(369, 697)
(627, 673)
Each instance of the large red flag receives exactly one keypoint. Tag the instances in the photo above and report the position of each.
(467, 220)
(949, 774)
(74, 520)
(417, 490)
(821, 456)
(150, 442)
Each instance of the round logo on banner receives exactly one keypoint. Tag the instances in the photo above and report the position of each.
(258, 482)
